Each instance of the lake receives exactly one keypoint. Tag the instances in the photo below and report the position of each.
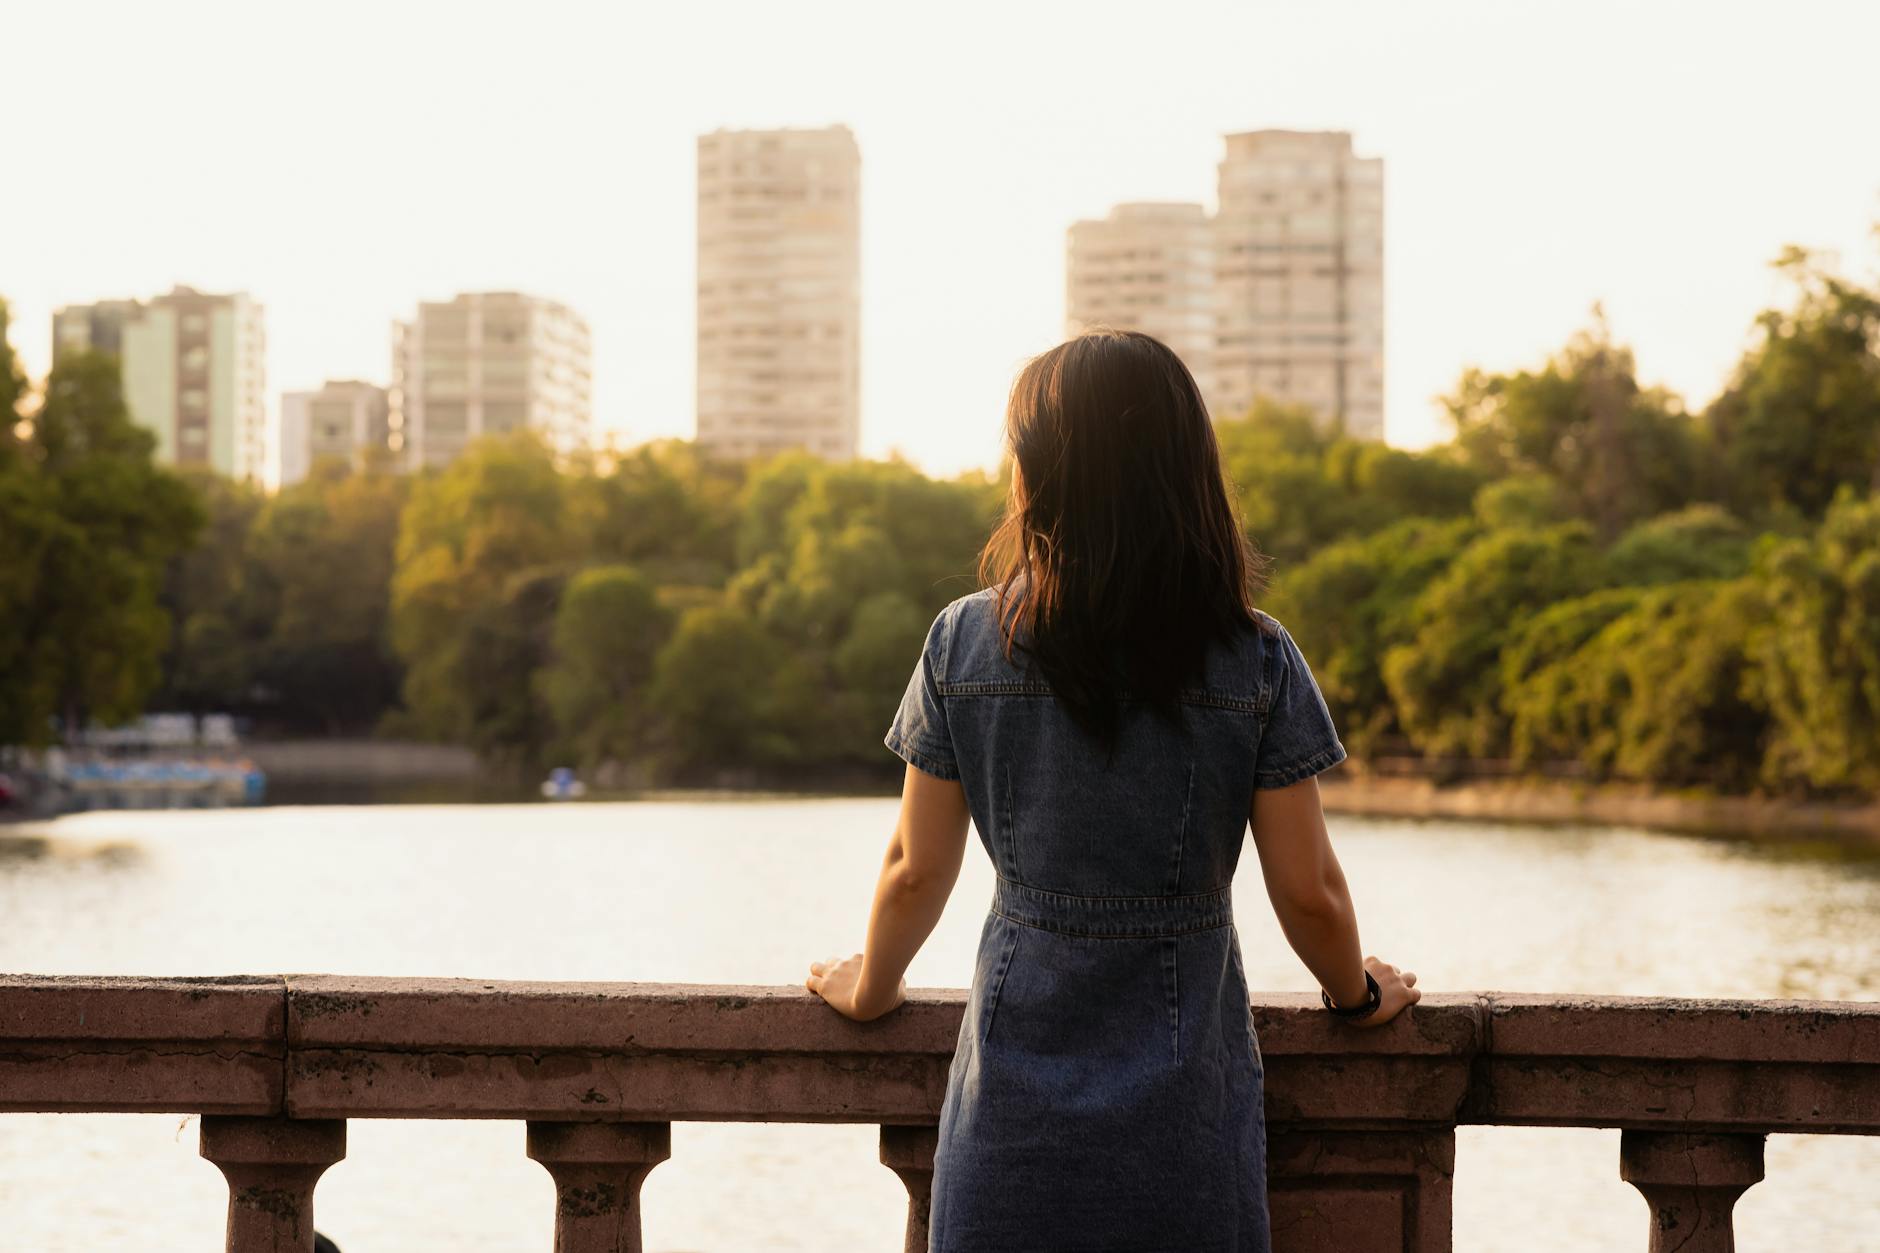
(750, 890)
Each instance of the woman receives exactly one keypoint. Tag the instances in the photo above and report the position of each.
(1110, 712)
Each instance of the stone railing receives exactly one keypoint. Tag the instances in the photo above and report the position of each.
(1361, 1123)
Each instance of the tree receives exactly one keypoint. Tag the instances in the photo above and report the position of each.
(93, 632)
(215, 650)
(1701, 542)
(1801, 417)
(33, 530)
(1618, 451)
(505, 642)
(608, 629)
(1544, 696)
(1657, 691)
(1446, 680)
(1818, 650)
(716, 687)
(320, 569)
(663, 509)
(873, 663)
(1354, 600)
(1300, 485)
(469, 604)
(12, 383)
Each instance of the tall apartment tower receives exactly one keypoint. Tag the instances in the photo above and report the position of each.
(779, 292)
(1146, 267)
(483, 364)
(193, 369)
(344, 421)
(1299, 277)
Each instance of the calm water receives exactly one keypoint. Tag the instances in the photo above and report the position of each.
(749, 891)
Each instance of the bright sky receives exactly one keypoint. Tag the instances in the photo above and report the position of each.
(342, 161)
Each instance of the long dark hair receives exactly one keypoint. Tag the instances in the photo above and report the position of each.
(1119, 557)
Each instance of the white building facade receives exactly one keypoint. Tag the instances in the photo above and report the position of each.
(1146, 267)
(194, 372)
(486, 363)
(779, 292)
(345, 421)
(1299, 277)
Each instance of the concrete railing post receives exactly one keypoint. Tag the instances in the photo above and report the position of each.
(908, 1152)
(598, 1168)
(1361, 1191)
(1691, 1183)
(271, 1165)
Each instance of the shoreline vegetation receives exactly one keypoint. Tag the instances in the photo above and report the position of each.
(1589, 581)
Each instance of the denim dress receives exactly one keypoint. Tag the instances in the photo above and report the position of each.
(1106, 1088)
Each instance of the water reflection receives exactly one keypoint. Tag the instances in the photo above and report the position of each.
(19, 849)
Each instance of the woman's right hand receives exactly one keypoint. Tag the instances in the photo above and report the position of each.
(1397, 989)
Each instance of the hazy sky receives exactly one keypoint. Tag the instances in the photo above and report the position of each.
(343, 161)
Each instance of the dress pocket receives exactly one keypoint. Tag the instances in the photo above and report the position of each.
(995, 960)
(1246, 1003)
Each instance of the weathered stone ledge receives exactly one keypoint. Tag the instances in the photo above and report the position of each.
(324, 1046)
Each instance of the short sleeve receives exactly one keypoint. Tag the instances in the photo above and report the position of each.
(1298, 740)
(918, 735)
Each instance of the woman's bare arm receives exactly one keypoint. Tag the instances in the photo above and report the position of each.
(917, 876)
(1313, 903)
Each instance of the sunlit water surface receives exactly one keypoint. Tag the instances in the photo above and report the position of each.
(749, 891)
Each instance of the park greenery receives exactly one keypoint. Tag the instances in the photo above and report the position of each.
(1586, 575)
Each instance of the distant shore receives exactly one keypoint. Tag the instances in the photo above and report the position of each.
(1546, 800)
(363, 770)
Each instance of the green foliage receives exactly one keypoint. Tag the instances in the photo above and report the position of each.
(1545, 721)
(319, 577)
(12, 383)
(1656, 692)
(1446, 679)
(1300, 486)
(1818, 652)
(1701, 542)
(608, 629)
(1354, 601)
(720, 689)
(469, 600)
(1617, 452)
(1801, 418)
(214, 652)
(98, 525)
(1523, 500)
(662, 509)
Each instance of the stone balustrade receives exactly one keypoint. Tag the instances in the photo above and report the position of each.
(1361, 1123)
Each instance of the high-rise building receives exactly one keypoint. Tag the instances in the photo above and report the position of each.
(193, 369)
(96, 327)
(485, 363)
(1146, 267)
(345, 420)
(779, 292)
(1299, 277)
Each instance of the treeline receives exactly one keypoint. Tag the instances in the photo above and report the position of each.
(1587, 572)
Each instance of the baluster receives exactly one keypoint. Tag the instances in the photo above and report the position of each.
(598, 1168)
(908, 1152)
(1691, 1183)
(1343, 1191)
(271, 1165)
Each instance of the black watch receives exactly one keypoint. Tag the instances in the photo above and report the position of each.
(1373, 997)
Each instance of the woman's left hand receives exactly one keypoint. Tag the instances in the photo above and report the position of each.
(838, 979)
